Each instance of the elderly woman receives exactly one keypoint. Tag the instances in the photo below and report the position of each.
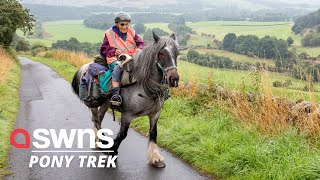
(119, 39)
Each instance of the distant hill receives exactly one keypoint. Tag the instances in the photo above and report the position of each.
(311, 20)
(192, 10)
(43, 12)
(242, 4)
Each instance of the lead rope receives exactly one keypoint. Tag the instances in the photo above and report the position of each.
(114, 117)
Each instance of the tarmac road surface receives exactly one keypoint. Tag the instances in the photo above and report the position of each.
(47, 101)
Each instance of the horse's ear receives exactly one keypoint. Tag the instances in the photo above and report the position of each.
(173, 36)
(155, 37)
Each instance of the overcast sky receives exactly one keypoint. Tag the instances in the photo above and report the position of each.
(245, 4)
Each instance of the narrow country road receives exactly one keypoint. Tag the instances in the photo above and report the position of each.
(47, 101)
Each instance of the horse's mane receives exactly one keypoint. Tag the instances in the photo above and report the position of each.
(148, 56)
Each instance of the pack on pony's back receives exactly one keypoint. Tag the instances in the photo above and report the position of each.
(96, 69)
(105, 79)
(97, 79)
(90, 87)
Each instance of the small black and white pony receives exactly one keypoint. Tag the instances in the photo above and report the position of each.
(155, 69)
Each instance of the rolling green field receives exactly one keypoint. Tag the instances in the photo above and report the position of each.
(260, 29)
(221, 28)
(233, 56)
(63, 30)
(234, 79)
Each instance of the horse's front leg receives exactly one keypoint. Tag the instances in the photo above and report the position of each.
(154, 156)
(122, 134)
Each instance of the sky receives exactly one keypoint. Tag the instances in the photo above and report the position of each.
(244, 4)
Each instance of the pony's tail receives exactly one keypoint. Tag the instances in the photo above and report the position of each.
(75, 83)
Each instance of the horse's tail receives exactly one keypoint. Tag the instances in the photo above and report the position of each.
(75, 83)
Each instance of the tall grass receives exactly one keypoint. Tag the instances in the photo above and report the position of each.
(259, 108)
(6, 63)
(9, 104)
(77, 59)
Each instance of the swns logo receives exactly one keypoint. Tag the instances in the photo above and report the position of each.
(48, 141)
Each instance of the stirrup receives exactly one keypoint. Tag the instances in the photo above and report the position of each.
(116, 100)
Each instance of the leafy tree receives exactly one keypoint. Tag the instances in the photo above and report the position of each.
(311, 39)
(267, 47)
(229, 42)
(290, 41)
(246, 44)
(22, 45)
(12, 17)
(139, 28)
(193, 54)
(38, 47)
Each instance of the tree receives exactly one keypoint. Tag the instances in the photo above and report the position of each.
(307, 21)
(139, 28)
(12, 17)
(267, 47)
(229, 42)
(246, 44)
(311, 39)
(290, 41)
(22, 45)
(192, 54)
(38, 47)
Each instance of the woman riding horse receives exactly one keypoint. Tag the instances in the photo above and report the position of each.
(155, 70)
(119, 39)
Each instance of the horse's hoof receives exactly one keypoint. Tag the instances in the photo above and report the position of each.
(159, 164)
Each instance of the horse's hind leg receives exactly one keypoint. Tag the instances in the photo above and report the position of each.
(102, 111)
(96, 123)
(97, 117)
(154, 156)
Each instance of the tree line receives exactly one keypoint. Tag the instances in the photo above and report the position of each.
(251, 45)
(214, 61)
(74, 45)
(307, 21)
(105, 21)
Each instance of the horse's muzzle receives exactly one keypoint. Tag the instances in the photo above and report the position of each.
(173, 78)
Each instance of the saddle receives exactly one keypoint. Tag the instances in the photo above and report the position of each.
(96, 81)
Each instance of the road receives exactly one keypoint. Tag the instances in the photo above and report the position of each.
(47, 101)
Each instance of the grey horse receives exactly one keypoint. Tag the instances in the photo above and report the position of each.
(155, 69)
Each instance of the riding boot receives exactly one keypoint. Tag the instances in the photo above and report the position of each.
(116, 99)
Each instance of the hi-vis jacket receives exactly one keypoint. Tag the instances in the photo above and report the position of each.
(115, 41)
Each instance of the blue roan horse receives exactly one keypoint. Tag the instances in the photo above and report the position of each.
(155, 70)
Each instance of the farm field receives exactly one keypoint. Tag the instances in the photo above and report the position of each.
(233, 56)
(235, 79)
(260, 29)
(63, 30)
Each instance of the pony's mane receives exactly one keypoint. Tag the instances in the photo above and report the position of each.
(148, 56)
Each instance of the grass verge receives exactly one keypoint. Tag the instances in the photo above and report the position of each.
(9, 105)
